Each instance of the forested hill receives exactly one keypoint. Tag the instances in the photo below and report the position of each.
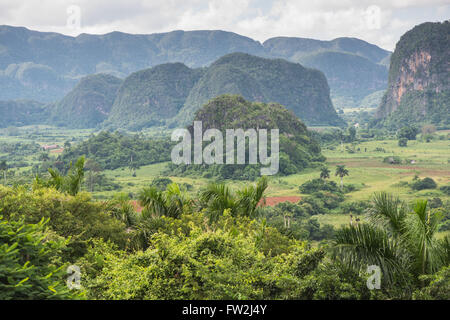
(298, 148)
(172, 93)
(88, 104)
(45, 66)
(419, 88)
(302, 90)
(22, 112)
(149, 96)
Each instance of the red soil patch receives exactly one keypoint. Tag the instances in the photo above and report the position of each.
(272, 201)
(57, 150)
(136, 206)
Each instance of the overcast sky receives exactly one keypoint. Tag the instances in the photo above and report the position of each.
(378, 22)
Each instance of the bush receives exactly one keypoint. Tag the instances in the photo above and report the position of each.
(315, 185)
(392, 160)
(446, 190)
(161, 183)
(425, 183)
(30, 266)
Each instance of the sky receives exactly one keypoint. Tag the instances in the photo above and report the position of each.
(378, 22)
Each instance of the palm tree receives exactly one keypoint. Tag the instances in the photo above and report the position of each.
(250, 197)
(324, 173)
(219, 197)
(4, 168)
(400, 243)
(72, 182)
(170, 203)
(341, 172)
(122, 209)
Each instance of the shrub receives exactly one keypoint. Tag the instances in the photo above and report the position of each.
(425, 183)
(30, 263)
(402, 142)
(446, 190)
(161, 183)
(315, 185)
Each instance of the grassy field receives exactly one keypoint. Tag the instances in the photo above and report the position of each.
(364, 160)
(366, 170)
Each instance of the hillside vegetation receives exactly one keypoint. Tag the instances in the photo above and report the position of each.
(298, 150)
(88, 104)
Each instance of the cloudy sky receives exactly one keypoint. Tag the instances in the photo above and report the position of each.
(378, 22)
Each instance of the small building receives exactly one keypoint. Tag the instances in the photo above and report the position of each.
(49, 147)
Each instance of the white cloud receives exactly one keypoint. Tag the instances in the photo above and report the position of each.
(259, 19)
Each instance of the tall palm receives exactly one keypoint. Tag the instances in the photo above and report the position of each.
(324, 173)
(399, 242)
(341, 171)
(4, 168)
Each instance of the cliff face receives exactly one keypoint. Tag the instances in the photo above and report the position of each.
(418, 88)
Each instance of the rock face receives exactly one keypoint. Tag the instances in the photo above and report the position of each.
(419, 89)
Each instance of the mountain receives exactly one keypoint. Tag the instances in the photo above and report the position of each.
(298, 149)
(63, 60)
(88, 104)
(29, 80)
(302, 90)
(419, 89)
(22, 113)
(354, 68)
(172, 93)
(148, 97)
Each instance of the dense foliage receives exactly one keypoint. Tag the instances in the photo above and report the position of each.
(298, 149)
(115, 150)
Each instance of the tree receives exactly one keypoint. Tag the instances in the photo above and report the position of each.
(408, 132)
(402, 142)
(93, 170)
(170, 203)
(44, 156)
(324, 173)
(400, 243)
(219, 197)
(4, 168)
(351, 134)
(341, 171)
(71, 183)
